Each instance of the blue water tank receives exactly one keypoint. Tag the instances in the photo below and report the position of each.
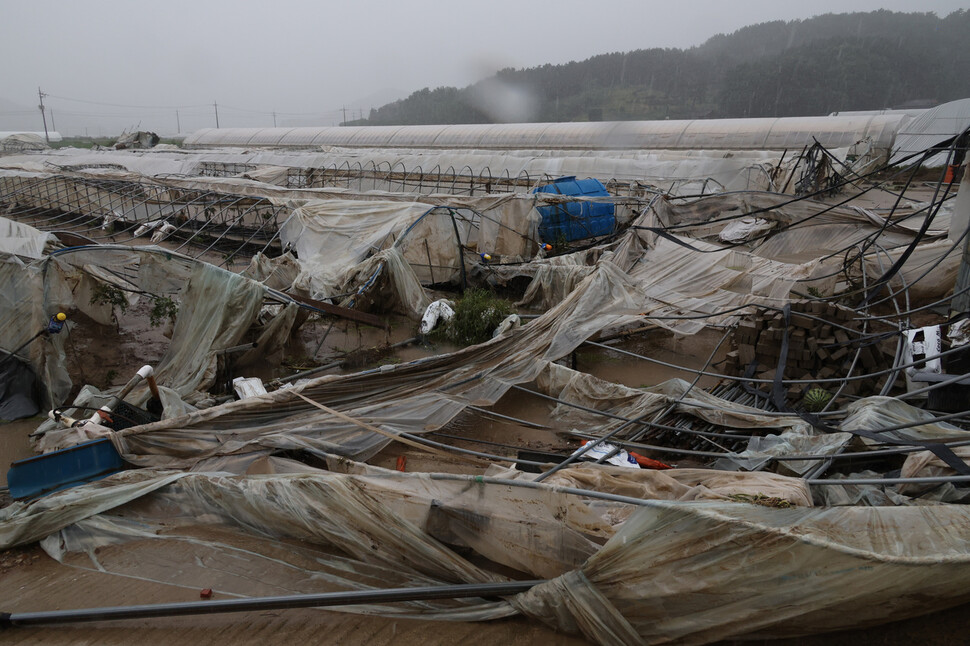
(575, 220)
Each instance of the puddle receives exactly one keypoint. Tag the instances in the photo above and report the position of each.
(14, 444)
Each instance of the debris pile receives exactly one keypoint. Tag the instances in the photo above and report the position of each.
(825, 342)
(375, 393)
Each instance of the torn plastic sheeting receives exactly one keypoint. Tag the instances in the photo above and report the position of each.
(702, 572)
(796, 436)
(740, 205)
(385, 282)
(834, 495)
(581, 388)
(217, 307)
(276, 273)
(551, 279)
(805, 229)
(330, 236)
(875, 413)
(238, 563)
(384, 519)
(744, 229)
(416, 397)
(924, 464)
(23, 240)
(435, 245)
(762, 450)
(22, 523)
(678, 283)
(681, 484)
(376, 516)
(696, 572)
(29, 295)
(939, 281)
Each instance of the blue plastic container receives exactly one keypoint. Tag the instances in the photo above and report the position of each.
(575, 220)
(43, 474)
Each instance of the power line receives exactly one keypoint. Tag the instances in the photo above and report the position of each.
(121, 105)
(182, 107)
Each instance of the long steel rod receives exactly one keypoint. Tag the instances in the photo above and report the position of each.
(325, 599)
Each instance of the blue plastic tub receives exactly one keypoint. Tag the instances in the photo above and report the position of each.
(43, 474)
(575, 220)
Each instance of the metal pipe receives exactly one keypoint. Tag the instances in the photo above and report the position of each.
(333, 364)
(861, 377)
(326, 599)
(891, 481)
(239, 348)
(523, 422)
(610, 415)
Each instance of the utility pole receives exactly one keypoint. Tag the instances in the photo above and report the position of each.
(274, 118)
(344, 110)
(43, 114)
(216, 107)
(53, 125)
(178, 124)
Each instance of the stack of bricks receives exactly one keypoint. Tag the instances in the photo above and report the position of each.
(818, 348)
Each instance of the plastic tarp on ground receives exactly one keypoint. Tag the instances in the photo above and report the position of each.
(426, 394)
(672, 568)
(216, 308)
(772, 436)
(414, 397)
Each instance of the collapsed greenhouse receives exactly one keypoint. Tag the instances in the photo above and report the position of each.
(722, 402)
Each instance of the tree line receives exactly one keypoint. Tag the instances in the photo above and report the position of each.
(833, 62)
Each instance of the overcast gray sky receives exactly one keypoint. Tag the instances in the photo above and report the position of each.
(307, 59)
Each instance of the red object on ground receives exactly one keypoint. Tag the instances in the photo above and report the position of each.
(206, 594)
(649, 463)
(402, 461)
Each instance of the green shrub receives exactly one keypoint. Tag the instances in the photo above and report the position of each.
(163, 308)
(106, 294)
(477, 314)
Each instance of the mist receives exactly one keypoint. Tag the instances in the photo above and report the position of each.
(109, 65)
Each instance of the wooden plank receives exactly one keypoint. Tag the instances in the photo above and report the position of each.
(342, 312)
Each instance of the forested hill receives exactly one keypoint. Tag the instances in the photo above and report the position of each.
(854, 61)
